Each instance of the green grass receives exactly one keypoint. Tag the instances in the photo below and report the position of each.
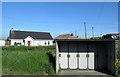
(27, 61)
(0, 60)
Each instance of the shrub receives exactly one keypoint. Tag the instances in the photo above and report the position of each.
(15, 44)
(117, 64)
(118, 50)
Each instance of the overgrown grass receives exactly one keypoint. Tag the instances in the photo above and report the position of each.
(27, 60)
(27, 48)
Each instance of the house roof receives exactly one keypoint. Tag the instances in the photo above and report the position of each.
(84, 40)
(15, 34)
(66, 36)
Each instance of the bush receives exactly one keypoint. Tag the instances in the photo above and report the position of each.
(15, 44)
(117, 64)
(118, 50)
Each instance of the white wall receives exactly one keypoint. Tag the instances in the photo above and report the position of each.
(29, 39)
(42, 42)
(2, 42)
(17, 41)
(32, 41)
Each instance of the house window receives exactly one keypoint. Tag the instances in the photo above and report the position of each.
(19, 43)
(48, 42)
(45, 43)
(24, 42)
(53, 41)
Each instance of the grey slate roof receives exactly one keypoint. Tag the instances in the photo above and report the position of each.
(16, 34)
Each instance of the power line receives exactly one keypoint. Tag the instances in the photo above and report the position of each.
(75, 32)
(93, 32)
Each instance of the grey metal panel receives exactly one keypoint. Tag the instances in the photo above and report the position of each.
(113, 57)
(63, 47)
(82, 46)
(73, 47)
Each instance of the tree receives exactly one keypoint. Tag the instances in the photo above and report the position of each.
(108, 36)
(8, 38)
(118, 49)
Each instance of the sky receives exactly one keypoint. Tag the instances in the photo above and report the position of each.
(60, 17)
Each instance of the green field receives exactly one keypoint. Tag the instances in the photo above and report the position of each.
(27, 60)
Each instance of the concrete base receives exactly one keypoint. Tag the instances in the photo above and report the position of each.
(82, 72)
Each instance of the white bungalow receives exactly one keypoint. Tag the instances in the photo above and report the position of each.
(29, 38)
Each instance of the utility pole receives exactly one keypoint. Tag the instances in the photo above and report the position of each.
(93, 32)
(85, 30)
(75, 32)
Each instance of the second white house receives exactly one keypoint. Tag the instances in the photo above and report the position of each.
(30, 38)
